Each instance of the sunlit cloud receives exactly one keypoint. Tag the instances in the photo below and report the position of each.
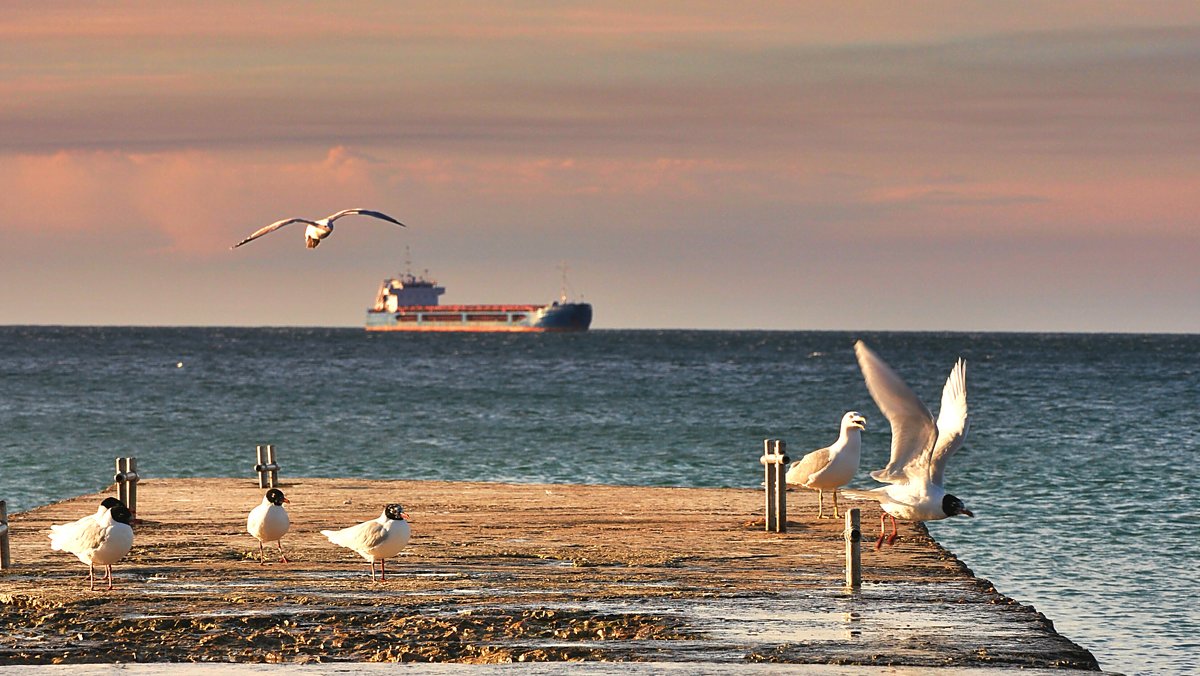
(186, 202)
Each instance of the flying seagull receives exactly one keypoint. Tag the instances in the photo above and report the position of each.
(375, 540)
(102, 539)
(316, 230)
(921, 446)
(268, 522)
(831, 467)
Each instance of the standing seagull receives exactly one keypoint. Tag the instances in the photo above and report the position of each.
(377, 539)
(268, 522)
(920, 446)
(316, 230)
(102, 538)
(831, 467)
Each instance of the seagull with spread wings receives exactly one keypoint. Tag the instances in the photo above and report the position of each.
(316, 230)
(921, 446)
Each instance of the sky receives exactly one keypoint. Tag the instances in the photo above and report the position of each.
(945, 165)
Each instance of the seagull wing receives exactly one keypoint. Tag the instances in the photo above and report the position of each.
(913, 429)
(803, 470)
(361, 538)
(68, 532)
(82, 537)
(952, 422)
(364, 212)
(271, 228)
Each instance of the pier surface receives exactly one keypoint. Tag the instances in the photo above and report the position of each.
(508, 572)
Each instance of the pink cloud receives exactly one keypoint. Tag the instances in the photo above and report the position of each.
(189, 202)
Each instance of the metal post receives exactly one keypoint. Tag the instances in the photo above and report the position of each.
(775, 460)
(119, 480)
(126, 479)
(132, 479)
(267, 468)
(5, 556)
(769, 483)
(260, 462)
(853, 535)
(781, 467)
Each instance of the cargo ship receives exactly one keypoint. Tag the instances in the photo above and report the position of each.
(410, 303)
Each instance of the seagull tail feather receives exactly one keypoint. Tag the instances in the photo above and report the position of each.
(857, 494)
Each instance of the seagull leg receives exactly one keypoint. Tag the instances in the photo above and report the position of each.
(835, 509)
(895, 534)
(108, 574)
(382, 569)
(262, 557)
(372, 564)
(282, 558)
(91, 578)
(820, 504)
(882, 520)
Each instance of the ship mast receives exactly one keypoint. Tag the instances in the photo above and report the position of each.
(562, 296)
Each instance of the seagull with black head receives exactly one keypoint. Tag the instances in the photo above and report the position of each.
(377, 539)
(921, 446)
(102, 538)
(269, 522)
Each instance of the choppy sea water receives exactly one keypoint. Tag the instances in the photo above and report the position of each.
(1079, 463)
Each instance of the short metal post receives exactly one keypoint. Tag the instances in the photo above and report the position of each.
(775, 460)
(781, 467)
(853, 534)
(5, 556)
(259, 463)
(126, 479)
(267, 468)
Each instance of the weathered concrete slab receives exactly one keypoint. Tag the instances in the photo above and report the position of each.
(499, 572)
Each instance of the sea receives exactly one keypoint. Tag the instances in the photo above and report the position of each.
(1080, 464)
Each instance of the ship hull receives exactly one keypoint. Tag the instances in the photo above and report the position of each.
(557, 317)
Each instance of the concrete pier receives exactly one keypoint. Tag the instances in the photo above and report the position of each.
(503, 572)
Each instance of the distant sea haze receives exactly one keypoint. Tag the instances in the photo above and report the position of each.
(1078, 465)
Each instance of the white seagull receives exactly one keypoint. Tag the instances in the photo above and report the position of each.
(102, 538)
(831, 467)
(375, 540)
(316, 230)
(268, 522)
(920, 446)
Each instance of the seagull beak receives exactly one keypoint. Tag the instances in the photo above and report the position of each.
(287, 501)
(967, 512)
(404, 515)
